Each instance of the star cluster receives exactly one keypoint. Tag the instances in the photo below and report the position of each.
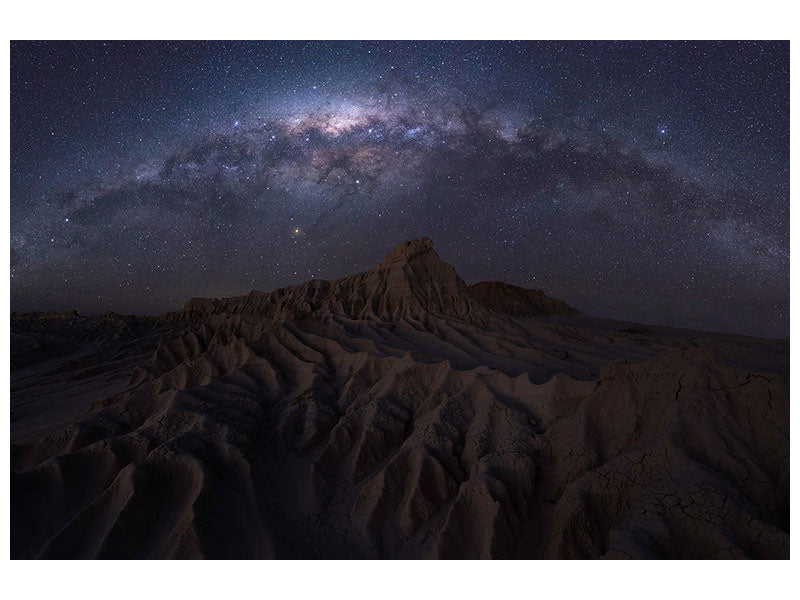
(640, 181)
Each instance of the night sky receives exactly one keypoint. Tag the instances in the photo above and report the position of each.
(640, 181)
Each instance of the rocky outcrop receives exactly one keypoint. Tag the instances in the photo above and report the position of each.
(410, 281)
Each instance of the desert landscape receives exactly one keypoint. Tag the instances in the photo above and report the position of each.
(398, 299)
(394, 413)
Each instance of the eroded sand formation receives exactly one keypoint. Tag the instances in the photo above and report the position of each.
(396, 413)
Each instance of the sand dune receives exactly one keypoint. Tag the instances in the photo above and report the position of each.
(396, 413)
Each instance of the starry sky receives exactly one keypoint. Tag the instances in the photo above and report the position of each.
(644, 181)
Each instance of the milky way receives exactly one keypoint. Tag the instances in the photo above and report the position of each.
(640, 181)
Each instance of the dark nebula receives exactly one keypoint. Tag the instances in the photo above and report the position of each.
(641, 181)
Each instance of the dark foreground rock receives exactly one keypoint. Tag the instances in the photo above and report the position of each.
(396, 413)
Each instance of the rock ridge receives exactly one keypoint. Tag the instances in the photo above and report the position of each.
(412, 280)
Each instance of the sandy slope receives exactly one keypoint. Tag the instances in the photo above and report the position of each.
(392, 414)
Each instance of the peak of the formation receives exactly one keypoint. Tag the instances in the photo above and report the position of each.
(412, 279)
(406, 251)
